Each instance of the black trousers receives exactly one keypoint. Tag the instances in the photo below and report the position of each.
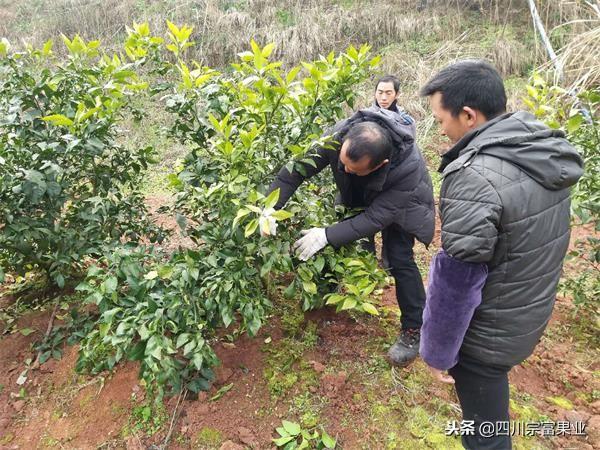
(484, 398)
(398, 259)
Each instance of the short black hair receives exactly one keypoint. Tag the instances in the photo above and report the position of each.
(471, 82)
(368, 139)
(389, 79)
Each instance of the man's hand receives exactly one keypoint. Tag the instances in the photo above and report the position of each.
(313, 241)
(440, 375)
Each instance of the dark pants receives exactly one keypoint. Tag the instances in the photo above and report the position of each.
(398, 259)
(484, 397)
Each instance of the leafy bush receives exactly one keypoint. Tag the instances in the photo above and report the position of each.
(156, 313)
(293, 437)
(67, 187)
(243, 126)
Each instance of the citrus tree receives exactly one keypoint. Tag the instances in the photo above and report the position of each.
(67, 187)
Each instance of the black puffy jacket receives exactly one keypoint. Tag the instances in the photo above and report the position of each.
(397, 194)
(505, 202)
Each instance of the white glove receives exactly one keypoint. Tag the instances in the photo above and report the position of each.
(267, 223)
(313, 241)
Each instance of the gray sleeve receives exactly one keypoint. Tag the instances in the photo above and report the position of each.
(470, 210)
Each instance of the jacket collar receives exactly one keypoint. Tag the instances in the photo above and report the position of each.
(462, 145)
(373, 181)
(393, 106)
(377, 179)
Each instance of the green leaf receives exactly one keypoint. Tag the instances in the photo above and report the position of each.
(267, 50)
(241, 213)
(309, 287)
(58, 120)
(137, 352)
(110, 285)
(182, 339)
(282, 215)
(282, 432)
(319, 263)
(221, 392)
(26, 331)
(327, 440)
(334, 299)
(271, 200)
(60, 281)
(349, 303)
(47, 49)
(290, 291)
(369, 308)
(574, 123)
(292, 74)
(251, 227)
(292, 428)
(279, 442)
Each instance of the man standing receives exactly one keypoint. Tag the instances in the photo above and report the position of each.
(505, 212)
(377, 166)
(386, 97)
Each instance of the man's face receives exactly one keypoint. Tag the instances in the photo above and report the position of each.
(361, 168)
(452, 127)
(385, 94)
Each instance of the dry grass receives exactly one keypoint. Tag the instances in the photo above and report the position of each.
(579, 56)
(301, 29)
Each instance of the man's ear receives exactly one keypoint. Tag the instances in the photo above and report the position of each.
(383, 163)
(473, 117)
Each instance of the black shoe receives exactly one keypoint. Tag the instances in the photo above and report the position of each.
(406, 347)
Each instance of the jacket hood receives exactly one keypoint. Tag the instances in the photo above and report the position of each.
(519, 138)
(402, 129)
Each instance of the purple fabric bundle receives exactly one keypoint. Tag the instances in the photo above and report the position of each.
(453, 293)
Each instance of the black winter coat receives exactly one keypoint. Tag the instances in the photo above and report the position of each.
(398, 194)
(505, 202)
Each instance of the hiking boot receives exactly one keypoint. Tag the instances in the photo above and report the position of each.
(406, 347)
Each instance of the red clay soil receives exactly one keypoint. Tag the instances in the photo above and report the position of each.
(66, 410)
(57, 409)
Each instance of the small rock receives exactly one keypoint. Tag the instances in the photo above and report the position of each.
(133, 443)
(136, 389)
(247, 437)
(203, 409)
(18, 405)
(333, 383)
(578, 382)
(317, 366)
(577, 416)
(584, 446)
(222, 374)
(593, 430)
(184, 429)
(596, 407)
(312, 389)
(230, 445)
(202, 396)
